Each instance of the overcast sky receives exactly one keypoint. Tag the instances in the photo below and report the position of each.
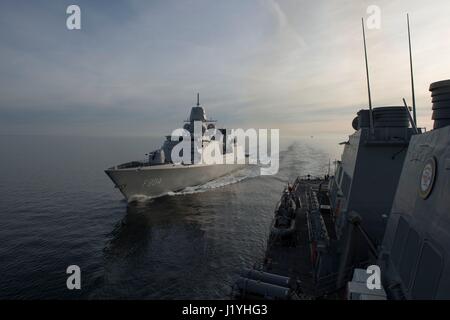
(135, 66)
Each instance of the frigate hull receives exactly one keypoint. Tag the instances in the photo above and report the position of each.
(155, 181)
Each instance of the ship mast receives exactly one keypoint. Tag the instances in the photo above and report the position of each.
(368, 79)
(412, 73)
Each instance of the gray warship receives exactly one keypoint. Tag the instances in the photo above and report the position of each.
(159, 174)
(386, 207)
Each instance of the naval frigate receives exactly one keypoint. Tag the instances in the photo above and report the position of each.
(159, 174)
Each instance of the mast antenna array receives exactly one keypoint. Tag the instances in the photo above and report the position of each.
(368, 78)
(412, 73)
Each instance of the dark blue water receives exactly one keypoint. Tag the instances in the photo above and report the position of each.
(58, 208)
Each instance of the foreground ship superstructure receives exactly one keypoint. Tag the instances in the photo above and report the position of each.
(159, 174)
(379, 227)
(386, 210)
(414, 256)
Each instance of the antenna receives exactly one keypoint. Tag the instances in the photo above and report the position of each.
(329, 167)
(412, 73)
(198, 99)
(368, 78)
(413, 125)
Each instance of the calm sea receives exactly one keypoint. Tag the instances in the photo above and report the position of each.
(58, 208)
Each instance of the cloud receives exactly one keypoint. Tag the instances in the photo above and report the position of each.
(136, 66)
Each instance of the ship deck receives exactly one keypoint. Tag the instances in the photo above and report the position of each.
(294, 259)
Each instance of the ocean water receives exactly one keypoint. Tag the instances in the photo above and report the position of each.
(58, 208)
